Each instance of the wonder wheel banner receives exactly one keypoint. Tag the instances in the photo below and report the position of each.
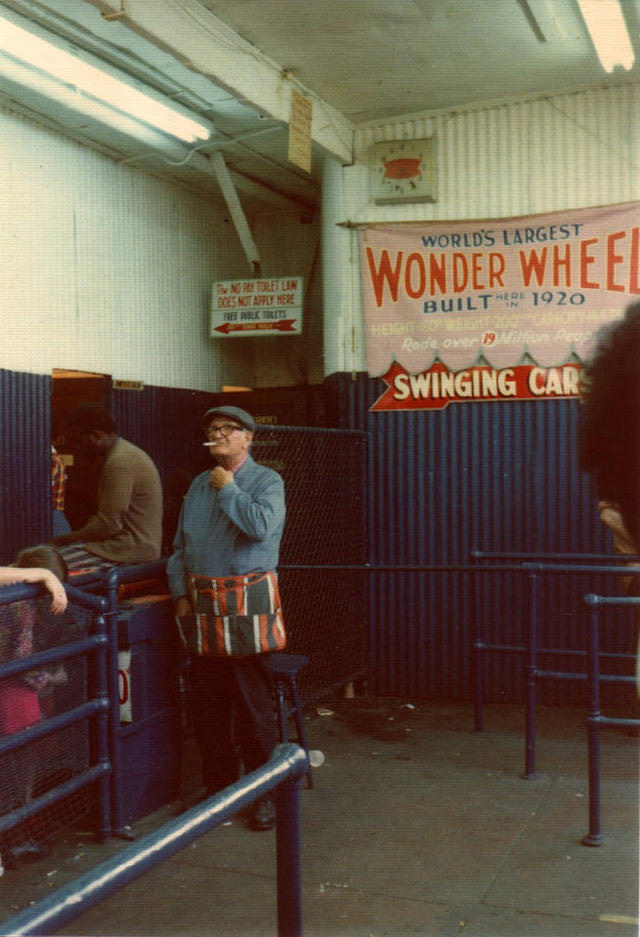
(496, 309)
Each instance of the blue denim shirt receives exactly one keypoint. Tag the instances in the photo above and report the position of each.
(230, 532)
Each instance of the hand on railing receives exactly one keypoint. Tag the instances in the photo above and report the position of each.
(11, 575)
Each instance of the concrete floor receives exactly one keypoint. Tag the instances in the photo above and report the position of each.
(416, 827)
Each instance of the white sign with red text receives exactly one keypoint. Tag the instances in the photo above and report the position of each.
(124, 685)
(489, 292)
(257, 307)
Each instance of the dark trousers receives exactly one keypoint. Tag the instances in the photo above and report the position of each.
(232, 705)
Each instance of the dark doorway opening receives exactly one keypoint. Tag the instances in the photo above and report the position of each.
(68, 389)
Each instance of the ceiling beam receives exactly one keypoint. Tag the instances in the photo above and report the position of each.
(262, 192)
(200, 40)
(238, 216)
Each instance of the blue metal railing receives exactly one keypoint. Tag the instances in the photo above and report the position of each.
(595, 719)
(530, 565)
(95, 709)
(283, 771)
(472, 569)
(106, 583)
(564, 564)
(534, 673)
(552, 557)
(110, 584)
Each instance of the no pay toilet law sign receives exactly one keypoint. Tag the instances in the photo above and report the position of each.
(256, 307)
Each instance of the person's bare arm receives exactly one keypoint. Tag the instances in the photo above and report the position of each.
(611, 517)
(10, 575)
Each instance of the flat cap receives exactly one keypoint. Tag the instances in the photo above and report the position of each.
(234, 413)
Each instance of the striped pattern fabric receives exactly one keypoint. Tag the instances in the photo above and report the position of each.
(80, 560)
(235, 616)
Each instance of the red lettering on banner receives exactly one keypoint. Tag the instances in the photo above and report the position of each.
(533, 263)
(438, 272)
(413, 259)
(530, 263)
(540, 285)
(436, 388)
(495, 273)
(464, 272)
(561, 262)
(385, 273)
(460, 273)
(634, 285)
(476, 270)
(585, 261)
(417, 275)
(612, 260)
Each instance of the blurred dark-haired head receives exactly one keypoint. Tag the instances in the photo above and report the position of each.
(89, 417)
(43, 556)
(610, 419)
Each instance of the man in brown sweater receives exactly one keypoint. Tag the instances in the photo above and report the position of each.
(127, 527)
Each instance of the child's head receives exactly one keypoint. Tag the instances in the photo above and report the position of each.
(44, 557)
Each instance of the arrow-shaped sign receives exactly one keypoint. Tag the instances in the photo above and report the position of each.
(283, 325)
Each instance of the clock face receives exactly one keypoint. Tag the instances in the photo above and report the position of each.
(402, 171)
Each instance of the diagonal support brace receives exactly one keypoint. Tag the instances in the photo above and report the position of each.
(228, 189)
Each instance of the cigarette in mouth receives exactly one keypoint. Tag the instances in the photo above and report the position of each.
(209, 443)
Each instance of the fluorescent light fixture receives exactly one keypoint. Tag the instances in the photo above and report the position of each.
(93, 83)
(608, 30)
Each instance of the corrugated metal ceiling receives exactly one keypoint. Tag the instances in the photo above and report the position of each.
(235, 62)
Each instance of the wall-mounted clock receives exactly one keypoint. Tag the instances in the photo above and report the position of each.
(403, 171)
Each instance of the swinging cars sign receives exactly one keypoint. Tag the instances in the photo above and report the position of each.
(438, 387)
(257, 307)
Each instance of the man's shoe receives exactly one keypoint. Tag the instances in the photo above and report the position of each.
(263, 815)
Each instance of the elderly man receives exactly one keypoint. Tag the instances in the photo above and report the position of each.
(127, 528)
(222, 578)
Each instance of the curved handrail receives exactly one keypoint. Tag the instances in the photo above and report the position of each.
(287, 764)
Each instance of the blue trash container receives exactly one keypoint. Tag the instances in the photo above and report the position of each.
(150, 731)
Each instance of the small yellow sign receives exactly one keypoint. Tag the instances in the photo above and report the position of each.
(300, 130)
(128, 385)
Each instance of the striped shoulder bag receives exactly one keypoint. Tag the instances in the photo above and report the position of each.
(234, 616)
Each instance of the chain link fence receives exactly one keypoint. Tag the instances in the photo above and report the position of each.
(325, 610)
(26, 699)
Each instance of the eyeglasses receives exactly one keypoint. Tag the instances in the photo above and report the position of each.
(225, 430)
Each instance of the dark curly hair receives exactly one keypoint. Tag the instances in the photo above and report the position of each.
(610, 418)
(90, 416)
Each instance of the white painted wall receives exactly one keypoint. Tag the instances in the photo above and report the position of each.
(106, 268)
(289, 245)
(515, 158)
